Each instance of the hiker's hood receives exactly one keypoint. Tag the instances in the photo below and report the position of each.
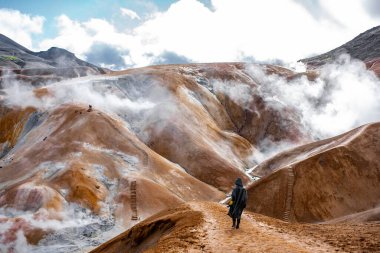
(238, 182)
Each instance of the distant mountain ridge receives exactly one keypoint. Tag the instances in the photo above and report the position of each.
(365, 47)
(56, 62)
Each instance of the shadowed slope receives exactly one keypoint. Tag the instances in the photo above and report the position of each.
(332, 178)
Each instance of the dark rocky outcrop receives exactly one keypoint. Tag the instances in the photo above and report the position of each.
(54, 64)
(365, 47)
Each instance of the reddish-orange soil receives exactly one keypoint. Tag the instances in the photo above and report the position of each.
(205, 227)
(323, 180)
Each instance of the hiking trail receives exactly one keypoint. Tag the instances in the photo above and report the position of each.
(252, 236)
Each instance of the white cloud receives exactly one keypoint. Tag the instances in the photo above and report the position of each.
(78, 37)
(20, 27)
(263, 29)
(80, 90)
(129, 13)
(344, 96)
(232, 30)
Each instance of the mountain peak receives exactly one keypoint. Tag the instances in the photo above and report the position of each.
(6, 42)
(54, 52)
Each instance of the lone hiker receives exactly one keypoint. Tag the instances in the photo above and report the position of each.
(237, 203)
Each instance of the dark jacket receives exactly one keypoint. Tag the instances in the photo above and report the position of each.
(239, 197)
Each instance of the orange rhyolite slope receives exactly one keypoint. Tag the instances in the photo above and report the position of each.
(189, 145)
(323, 180)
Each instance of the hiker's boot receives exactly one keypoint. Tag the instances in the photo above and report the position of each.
(238, 223)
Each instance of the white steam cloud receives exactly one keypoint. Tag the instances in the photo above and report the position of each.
(344, 96)
(74, 228)
(268, 148)
(240, 93)
(88, 90)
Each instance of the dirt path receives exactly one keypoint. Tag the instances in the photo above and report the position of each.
(196, 227)
(253, 235)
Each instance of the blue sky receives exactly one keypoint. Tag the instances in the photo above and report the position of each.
(81, 10)
(144, 32)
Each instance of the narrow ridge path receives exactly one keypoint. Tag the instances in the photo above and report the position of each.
(253, 235)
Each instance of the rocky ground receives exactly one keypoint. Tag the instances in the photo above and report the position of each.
(205, 227)
(362, 47)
